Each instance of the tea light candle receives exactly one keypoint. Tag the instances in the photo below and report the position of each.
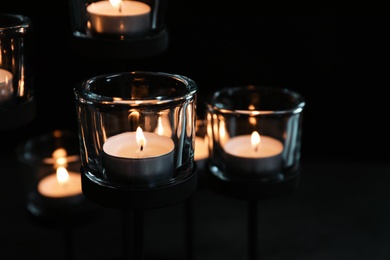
(119, 17)
(138, 158)
(6, 86)
(254, 154)
(60, 184)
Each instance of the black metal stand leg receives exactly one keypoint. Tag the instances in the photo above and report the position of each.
(252, 230)
(133, 237)
(189, 228)
(68, 243)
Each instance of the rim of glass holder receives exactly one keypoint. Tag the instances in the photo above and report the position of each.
(216, 101)
(11, 22)
(85, 91)
(40, 147)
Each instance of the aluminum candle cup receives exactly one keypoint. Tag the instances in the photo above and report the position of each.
(267, 159)
(128, 18)
(255, 133)
(123, 161)
(136, 129)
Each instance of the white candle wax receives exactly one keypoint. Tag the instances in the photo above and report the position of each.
(201, 152)
(51, 187)
(124, 161)
(131, 18)
(6, 86)
(242, 157)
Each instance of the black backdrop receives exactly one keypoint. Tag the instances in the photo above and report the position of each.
(336, 60)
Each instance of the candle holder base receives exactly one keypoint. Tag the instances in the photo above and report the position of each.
(252, 190)
(139, 198)
(115, 48)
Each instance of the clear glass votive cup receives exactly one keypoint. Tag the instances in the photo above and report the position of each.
(255, 133)
(17, 106)
(136, 129)
(52, 173)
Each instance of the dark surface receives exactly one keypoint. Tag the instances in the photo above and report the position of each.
(339, 211)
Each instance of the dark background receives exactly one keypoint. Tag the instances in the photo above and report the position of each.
(336, 60)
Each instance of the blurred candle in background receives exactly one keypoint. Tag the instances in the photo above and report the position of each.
(62, 183)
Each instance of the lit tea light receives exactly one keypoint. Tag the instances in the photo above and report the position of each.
(138, 158)
(6, 86)
(254, 154)
(119, 17)
(60, 184)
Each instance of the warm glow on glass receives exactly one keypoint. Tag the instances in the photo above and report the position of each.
(223, 134)
(222, 130)
(62, 175)
(160, 128)
(163, 126)
(255, 140)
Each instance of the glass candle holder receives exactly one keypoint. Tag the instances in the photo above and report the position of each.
(17, 106)
(119, 29)
(201, 144)
(136, 129)
(53, 179)
(255, 133)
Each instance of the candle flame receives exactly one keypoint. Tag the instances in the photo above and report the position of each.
(62, 175)
(141, 141)
(117, 4)
(255, 140)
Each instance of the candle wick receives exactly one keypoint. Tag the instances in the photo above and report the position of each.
(256, 148)
(141, 148)
(120, 7)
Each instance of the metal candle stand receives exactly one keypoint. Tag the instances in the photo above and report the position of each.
(252, 192)
(255, 134)
(64, 217)
(136, 140)
(133, 203)
(41, 156)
